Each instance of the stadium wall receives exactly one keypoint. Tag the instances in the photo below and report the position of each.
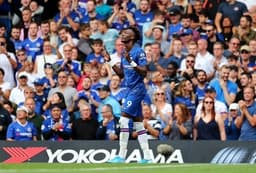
(101, 151)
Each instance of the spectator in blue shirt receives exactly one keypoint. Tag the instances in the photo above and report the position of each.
(21, 129)
(55, 128)
(232, 131)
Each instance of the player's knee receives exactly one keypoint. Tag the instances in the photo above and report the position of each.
(138, 126)
(124, 121)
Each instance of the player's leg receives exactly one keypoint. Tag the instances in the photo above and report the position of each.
(142, 139)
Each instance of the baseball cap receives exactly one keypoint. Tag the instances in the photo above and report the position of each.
(209, 89)
(103, 88)
(159, 27)
(48, 65)
(209, 22)
(187, 32)
(38, 81)
(246, 48)
(22, 108)
(234, 106)
(23, 74)
(173, 11)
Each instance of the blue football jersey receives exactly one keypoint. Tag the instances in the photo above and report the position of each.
(131, 77)
(21, 132)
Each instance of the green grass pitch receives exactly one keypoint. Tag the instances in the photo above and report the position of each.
(126, 168)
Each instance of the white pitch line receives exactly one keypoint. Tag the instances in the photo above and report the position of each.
(99, 169)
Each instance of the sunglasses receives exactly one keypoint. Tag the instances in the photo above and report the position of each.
(208, 102)
(244, 51)
(159, 94)
(190, 61)
(208, 30)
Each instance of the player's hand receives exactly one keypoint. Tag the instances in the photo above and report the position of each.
(127, 56)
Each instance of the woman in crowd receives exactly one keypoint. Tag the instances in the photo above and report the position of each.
(161, 109)
(207, 124)
(180, 126)
(57, 98)
(185, 94)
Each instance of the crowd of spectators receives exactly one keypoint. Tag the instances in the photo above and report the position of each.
(55, 84)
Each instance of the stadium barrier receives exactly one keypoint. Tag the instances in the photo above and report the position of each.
(101, 151)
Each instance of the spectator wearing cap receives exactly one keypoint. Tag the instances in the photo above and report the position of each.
(244, 31)
(246, 65)
(46, 57)
(21, 129)
(55, 128)
(247, 120)
(175, 24)
(104, 94)
(232, 132)
(232, 9)
(220, 107)
(17, 93)
(62, 87)
(186, 22)
(186, 35)
(204, 59)
(40, 95)
(158, 36)
(147, 28)
(226, 90)
(143, 14)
